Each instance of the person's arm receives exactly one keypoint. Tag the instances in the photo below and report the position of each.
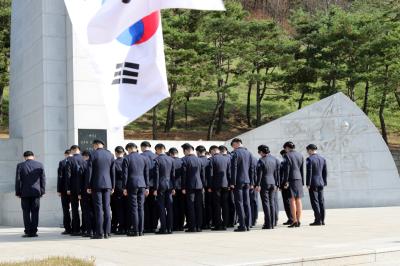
(156, 174)
(308, 172)
(124, 173)
(184, 175)
(260, 172)
(18, 181)
(42, 182)
(112, 173)
(233, 170)
(59, 176)
(277, 174)
(173, 175)
(68, 174)
(89, 174)
(146, 173)
(302, 170)
(203, 174)
(325, 173)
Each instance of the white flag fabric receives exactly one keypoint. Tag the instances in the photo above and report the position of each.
(131, 68)
(116, 15)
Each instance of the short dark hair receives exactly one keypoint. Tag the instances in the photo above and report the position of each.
(119, 150)
(98, 141)
(201, 149)
(264, 149)
(75, 147)
(173, 151)
(213, 147)
(222, 148)
(289, 145)
(130, 146)
(283, 152)
(28, 154)
(312, 147)
(67, 152)
(145, 144)
(86, 153)
(159, 146)
(236, 140)
(187, 146)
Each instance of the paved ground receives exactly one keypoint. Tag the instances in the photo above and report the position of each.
(368, 236)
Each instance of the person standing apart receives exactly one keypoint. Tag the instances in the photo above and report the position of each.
(101, 183)
(316, 180)
(30, 186)
(62, 192)
(294, 180)
(242, 168)
(267, 183)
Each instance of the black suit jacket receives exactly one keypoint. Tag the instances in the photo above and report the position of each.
(75, 170)
(220, 176)
(135, 171)
(150, 165)
(294, 169)
(317, 172)
(100, 170)
(165, 173)
(62, 176)
(268, 172)
(178, 172)
(30, 179)
(193, 173)
(242, 167)
(119, 176)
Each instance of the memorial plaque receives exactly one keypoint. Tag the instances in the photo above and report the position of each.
(86, 137)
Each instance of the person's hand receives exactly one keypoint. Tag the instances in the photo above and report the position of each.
(89, 191)
(112, 191)
(125, 192)
(59, 194)
(286, 185)
(173, 192)
(210, 190)
(155, 193)
(232, 187)
(258, 189)
(184, 191)
(251, 187)
(68, 192)
(79, 197)
(146, 192)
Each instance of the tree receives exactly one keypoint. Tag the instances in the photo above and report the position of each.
(5, 23)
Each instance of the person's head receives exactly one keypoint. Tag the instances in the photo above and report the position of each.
(187, 149)
(201, 150)
(223, 149)
(289, 146)
(145, 146)
(160, 148)
(312, 149)
(173, 152)
(131, 147)
(75, 149)
(85, 155)
(208, 155)
(28, 155)
(236, 143)
(283, 153)
(67, 153)
(263, 150)
(119, 152)
(98, 144)
(214, 150)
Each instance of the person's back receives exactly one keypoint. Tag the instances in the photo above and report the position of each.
(316, 171)
(100, 169)
(164, 172)
(193, 173)
(242, 166)
(220, 175)
(268, 171)
(178, 172)
(31, 181)
(295, 163)
(136, 171)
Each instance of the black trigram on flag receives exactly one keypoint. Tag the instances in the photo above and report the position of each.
(126, 73)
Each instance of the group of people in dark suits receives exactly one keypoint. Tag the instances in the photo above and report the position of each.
(211, 189)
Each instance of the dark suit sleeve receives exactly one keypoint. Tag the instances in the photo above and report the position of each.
(308, 172)
(210, 173)
(147, 173)
(233, 169)
(325, 173)
(285, 170)
(43, 182)
(203, 174)
(173, 175)
(112, 173)
(89, 173)
(68, 173)
(18, 181)
(228, 172)
(124, 173)
(260, 171)
(59, 176)
(156, 174)
(302, 170)
(184, 174)
(277, 174)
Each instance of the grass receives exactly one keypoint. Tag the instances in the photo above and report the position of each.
(52, 261)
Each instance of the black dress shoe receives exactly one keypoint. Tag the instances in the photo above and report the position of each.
(323, 223)
(76, 234)
(293, 225)
(190, 231)
(66, 233)
(199, 230)
(298, 224)
(97, 237)
(106, 236)
(288, 222)
(140, 234)
(316, 224)
(240, 229)
(169, 232)
(266, 227)
(218, 228)
(161, 232)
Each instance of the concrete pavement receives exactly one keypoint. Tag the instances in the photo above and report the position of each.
(369, 236)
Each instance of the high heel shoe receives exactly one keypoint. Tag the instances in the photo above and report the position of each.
(293, 225)
(298, 224)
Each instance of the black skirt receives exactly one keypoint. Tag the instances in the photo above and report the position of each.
(296, 189)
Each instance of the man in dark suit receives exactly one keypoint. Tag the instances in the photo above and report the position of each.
(193, 183)
(285, 192)
(207, 208)
(75, 170)
(62, 192)
(218, 183)
(253, 194)
(231, 198)
(316, 180)
(88, 223)
(30, 184)
(293, 178)
(136, 187)
(118, 200)
(151, 211)
(164, 185)
(267, 183)
(101, 184)
(242, 168)
(179, 205)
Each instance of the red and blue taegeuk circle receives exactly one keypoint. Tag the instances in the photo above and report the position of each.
(140, 31)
